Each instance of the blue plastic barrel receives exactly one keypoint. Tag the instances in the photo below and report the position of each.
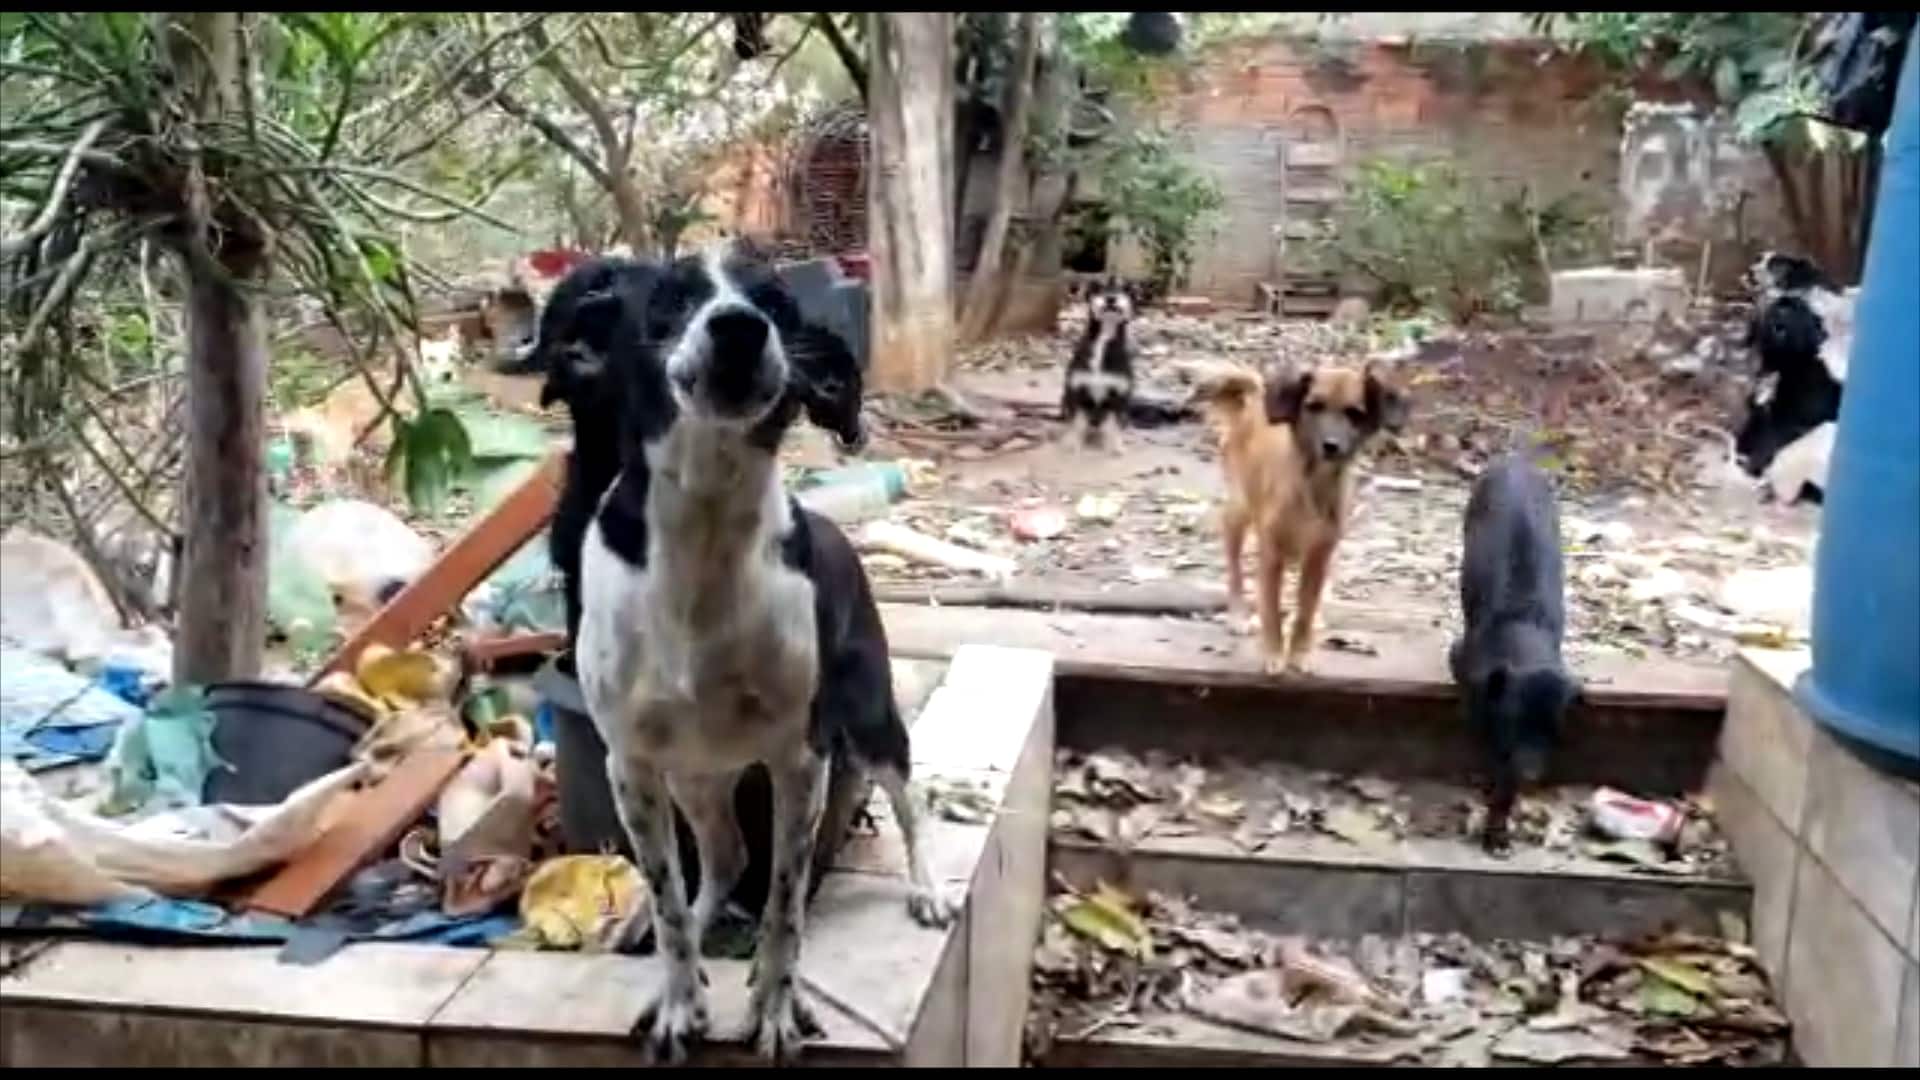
(1865, 681)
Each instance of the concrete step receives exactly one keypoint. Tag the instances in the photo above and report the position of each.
(1340, 811)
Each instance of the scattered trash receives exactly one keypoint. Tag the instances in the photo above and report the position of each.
(590, 903)
(56, 853)
(1038, 523)
(361, 550)
(1441, 985)
(905, 542)
(1100, 508)
(50, 716)
(1620, 816)
(1395, 483)
(854, 493)
(52, 603)
(161, 758)
(1253, 807)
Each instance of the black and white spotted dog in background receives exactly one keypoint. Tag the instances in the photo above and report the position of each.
(721, 625)
(1801, 334)
(1099, 385)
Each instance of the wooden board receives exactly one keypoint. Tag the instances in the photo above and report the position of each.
(372, 825)
(477, 552)
(1408, 662)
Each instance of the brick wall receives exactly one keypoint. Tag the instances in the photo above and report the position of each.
(1500, 110)
(1502, 114)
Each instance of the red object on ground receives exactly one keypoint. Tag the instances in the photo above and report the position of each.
(555, 262)
(856, 264)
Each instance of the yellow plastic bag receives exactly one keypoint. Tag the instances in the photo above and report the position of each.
(592, 903)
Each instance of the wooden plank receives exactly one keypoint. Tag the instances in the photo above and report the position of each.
(483, 653)
(477, 552)
(372, 825)
(1409, 663)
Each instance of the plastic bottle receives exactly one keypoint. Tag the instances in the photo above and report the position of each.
(856, 492)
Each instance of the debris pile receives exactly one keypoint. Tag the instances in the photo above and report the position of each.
(1119, 800)
(1110, 959)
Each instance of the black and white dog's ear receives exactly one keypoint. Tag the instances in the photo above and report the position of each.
(577, 355)
(828, 382)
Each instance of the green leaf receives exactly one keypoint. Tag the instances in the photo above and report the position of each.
(1107, 917)
(1662, 998)
(1680, 974)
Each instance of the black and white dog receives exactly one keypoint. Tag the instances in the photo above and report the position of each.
(1099, 387)
(1801, 332)
(720, 625)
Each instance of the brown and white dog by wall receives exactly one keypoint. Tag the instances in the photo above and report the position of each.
(1288, 457)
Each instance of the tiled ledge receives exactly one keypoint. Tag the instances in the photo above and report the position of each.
(1832, 846)
(887, 991)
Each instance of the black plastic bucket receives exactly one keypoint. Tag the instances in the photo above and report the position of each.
(276, 738)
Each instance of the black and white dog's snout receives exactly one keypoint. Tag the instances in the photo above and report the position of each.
(729, 364)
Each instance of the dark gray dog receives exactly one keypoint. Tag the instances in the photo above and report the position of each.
(1515, 687)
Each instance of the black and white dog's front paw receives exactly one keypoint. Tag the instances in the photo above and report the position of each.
(779, 1022)
(676, 1019)
(929, 908)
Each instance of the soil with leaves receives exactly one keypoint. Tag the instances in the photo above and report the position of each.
(1120, 800)
(1108, 959)
(1668, 549)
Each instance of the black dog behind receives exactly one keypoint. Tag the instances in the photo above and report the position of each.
(1514, 685)
(1099, 387)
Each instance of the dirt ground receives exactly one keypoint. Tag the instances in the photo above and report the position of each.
(1656, 525)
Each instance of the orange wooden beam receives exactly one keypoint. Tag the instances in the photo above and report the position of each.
(477, 552)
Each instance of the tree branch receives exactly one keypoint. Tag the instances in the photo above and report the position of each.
(849, 56)
(583, 98)
(455, 77)
(58, 197)
(488, 90)
(806, 31)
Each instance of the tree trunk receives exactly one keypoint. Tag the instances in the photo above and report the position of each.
(976, 314)
(223, 603)
(627, 205)
(223, 607)
(910, 212)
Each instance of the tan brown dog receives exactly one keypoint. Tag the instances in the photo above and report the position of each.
(1288, 458)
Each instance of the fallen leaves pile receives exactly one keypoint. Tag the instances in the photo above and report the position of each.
(1107, 959)
(1119, 800)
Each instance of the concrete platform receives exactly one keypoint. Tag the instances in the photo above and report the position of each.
(887, 991)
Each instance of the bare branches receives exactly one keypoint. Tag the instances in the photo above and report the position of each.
(50, 213)
(849, 56)
(586, 101)
(806, 32)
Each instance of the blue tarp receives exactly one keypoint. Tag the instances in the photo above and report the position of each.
(189, 921)
(51, 717)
